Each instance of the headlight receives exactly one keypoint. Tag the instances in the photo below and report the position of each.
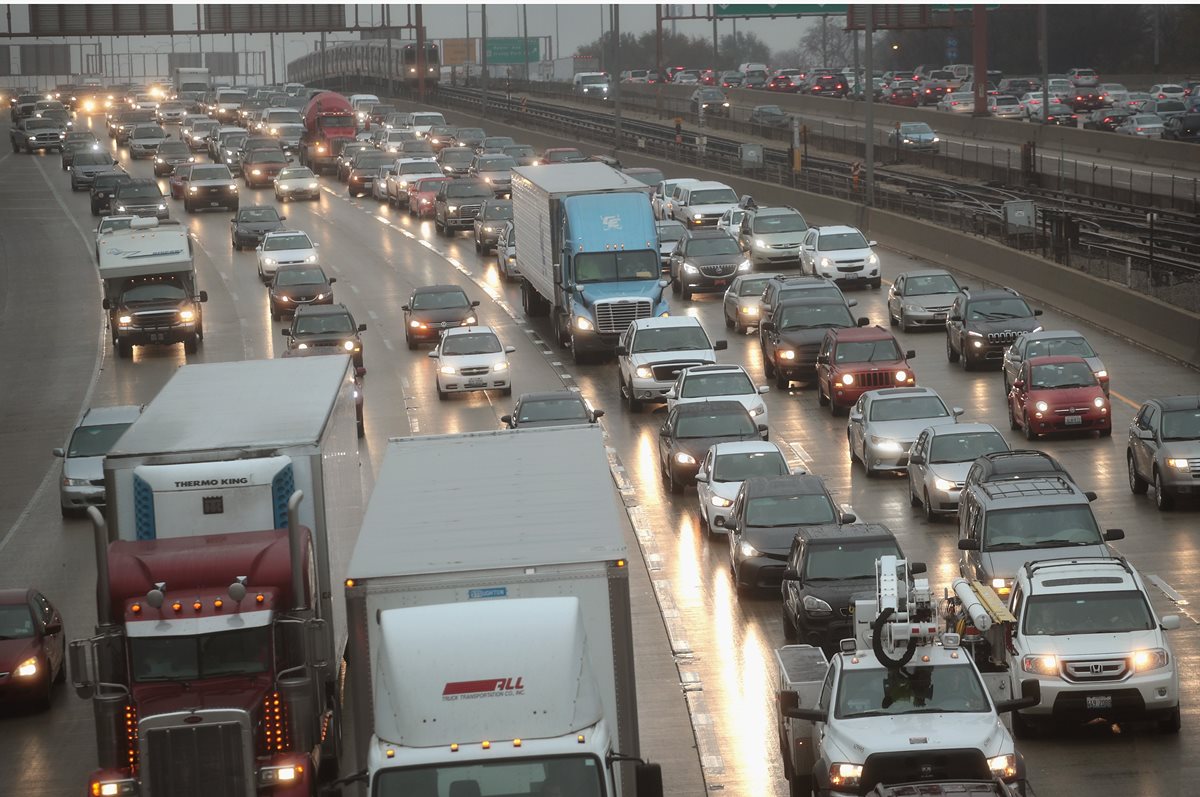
(448, 370)
(314, 186)
(256, 172)
(27, 668)
(33, 138)
(468, 321)
(233, 186)
(643, 372)
(1155, 659)
(162, 206)
(120, 208)
(348, 345)
(583, 324)
(760, 243)
(1102, 374)
(751, 309)
(1098, 402)
(817, 606)
(901, 376)
(270, 775)
(125, 319)
(1041, 406)
(685, 459)
(758, 410)
(1178, 464)
(1003, 586)
(717, 500)
(186, 315)
(787, 354)
(847, 379)
(944, 486)
(873, 260)
(748, 550)
(75, 482)
(452, 208)
(158, 160)
(688, 268)
(745, 265)
(268, 261)
(846, 775)
(826, 263)
(1005, 766)
(310, 259)
(886, 446)
(288, 298)
(500, 367)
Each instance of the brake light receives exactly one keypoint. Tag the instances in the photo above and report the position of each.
(1162, 96)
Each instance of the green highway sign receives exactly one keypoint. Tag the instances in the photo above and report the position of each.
(779, 10)
(511, 50)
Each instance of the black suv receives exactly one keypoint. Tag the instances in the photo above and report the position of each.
(104, 185)
(982, 324)
(457, 204)
(794, 286)
(794, 332)
(705, 261)
(432, 309)
(140, 197)
(317, 325)
(826, 567)
(1022, 463)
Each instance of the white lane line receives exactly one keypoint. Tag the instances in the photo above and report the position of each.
(800, 453)
(1173, 596)
(389, 345)
(233, 296)
(354, 287)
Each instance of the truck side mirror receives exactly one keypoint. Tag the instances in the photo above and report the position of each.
(286, 332)
(621, 351)
(1169, 623)
(648, 780)
(1031, 695)
(81, 656)
(58, 452)
(908, 355)
(203, 296)
(316, 633)
(968, 545)
(863, 321)
(847, 517)
(106, 304)
(362, 327)
(1090, 495)
(823, 359)
(917, 568)
(720, 345)
(767, 326)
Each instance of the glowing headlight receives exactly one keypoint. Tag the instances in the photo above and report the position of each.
(845, 774)
(33, 138)
(256, 172)
(1178, 464)
(1003, 586)
(717, 500)
(901, 376)
(310, 259)
(685, 459)
(233, 186)
(583, 324)
(162, 206)
(448, 370)
(186, 315)
(1102, 374)
(643, 372)
(697, 216)
(120, 208)
(1098, 402)
(753, 310)
(468, 321)
(284, 774)
(746, 549)
(500, 367)
(27, 668)
(1041, 406)
(873, 260)
(158, 160)
(268, 261)
(760, 243)
(314, 186)
(886, 446)
(944, 486)
(192, 189)
(452, 208)
(848, 379)
(688, 268)
(1003, 765)
(286, 298)
(348, 345)
(1155, 659)
(787, 354)
(745, 265)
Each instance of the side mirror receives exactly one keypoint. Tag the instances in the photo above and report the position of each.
(917, 568)
(916, 459)
(475, 303)
(911, 353)
(968, 545)
(852, 303)
(1037, 312)
(671, 394)
(1143, 434)
(855, 417)
(106, 304)
(956, 318)
(1169, 623)
(790, 575)
(663, 431)
(964, 287)
(764, 389)
(810, 714)
(58, 452)
(872, 243)
(847, 517)
(863, 322)
(203, 296)
(762, 427)
(433, 355)
(1019, 384)
(233, 221)
(1090, 495)
(82, 657)
(823, 359)
(767, 326)
(1112, 535)
(286, 332)
(362, 327)
(283, 218)
(506, 420)
(1031, 695)
(621, 351)
(405, 308)
(509, 349)
(720, 345)
(332, 280)
(957, 411)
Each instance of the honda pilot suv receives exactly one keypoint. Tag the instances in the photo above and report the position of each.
(983, 323)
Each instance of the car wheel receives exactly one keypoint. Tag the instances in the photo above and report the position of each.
(850, 448)
(674, 486)
(1023, 727)
(951, 354)
(903, 321)
(187, 207)
(95, 210)
(912, 497)
(675, 287)
(1137, 485)
(789, 627)
(441, 393)
(478, 249)
(236, 246)
(877, 284)
(275, 315)
(1029, 434)
(1171, 723)
(822, 399)
(782, 382)
(1162, 499)
(930, 515)
(892, 320)
(685, 294)
(965, 360)
(191, 345)
(124, 349)
(412, 344)
(507, 391)
(768, 367)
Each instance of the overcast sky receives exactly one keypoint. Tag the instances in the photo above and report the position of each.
(572, 24)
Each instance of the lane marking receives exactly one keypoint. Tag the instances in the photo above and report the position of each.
(1180, 602)
(1124, 399)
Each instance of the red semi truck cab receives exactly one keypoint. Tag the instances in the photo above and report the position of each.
(327, 116)
(204, 663)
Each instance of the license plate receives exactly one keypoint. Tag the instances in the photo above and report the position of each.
(940, 316)
(156, 337)
(719, 283)
(367, 183)
(1074, 420)
(213, 204)
(475, 383)
(1098, 701)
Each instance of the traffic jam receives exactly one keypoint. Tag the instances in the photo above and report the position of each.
(266, 625)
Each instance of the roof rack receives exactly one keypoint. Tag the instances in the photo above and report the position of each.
(1100, 561)
(1026, 488)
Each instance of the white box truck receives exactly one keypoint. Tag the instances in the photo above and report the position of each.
(490, 632)
(190, 79)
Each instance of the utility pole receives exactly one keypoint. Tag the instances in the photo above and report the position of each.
(616, 70)
(483, 76)
(869, 98)
(716, 55)
(525, 38)
(825, 40)
(271, 37)
(658, 64)
(422, 62)
(391, 66)
(979, 44)
(1044, 57)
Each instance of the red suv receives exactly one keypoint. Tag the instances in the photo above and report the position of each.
(857, 359)
(1058, 394)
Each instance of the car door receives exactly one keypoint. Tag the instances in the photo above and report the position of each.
(953, 327)
(735, 523)
(1013, 357)
(1018, 395)
(1151, 443)
(856, 426)
(664, 440)
(792, 586)
(896, 297)
(918, 463)
(704, 490)
(676, 391)
(678, 255)
(53, 641)
(971, 528)
(824, 355)
(808, 251)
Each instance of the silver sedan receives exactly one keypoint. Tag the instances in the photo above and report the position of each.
(921, 298)
(885, 423)
(938, 463)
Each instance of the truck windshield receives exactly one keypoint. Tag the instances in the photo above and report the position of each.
(845, 559)
(157, 291)
(335, 121)
(1040, 526)
(919, 690)
(169, 658)
(617, 266)
(561, 776)
(815, 316)
(689, 338)
(713, 196)
(1099, 612)
(95, 441)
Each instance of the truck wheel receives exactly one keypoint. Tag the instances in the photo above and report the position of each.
(768, 366)
(789, 627)
(1024, 728)
(631, 403)
(191, 345)
(124, 349)
(800, 786)
(822, 399)
(782, 382)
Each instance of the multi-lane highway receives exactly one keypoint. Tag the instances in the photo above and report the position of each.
(54, 364)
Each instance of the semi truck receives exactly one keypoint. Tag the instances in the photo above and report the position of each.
(588, 254)
(232, 504)
(149, 284)
(327, 116)
(189, 79)
(491, 640)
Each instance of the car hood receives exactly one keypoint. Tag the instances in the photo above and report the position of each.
(749, 400)
(83, 467)
(472, 360)
(1005, 564)
(1183, 449)
(951, 471)
(1068, 396)
(326, 338)
(905, 431)
(1074, 646)
(707, 356)
(141, 142)
(91, 168)
(776, 541)
(445, 314)
(288, 254)
(667, 247)
(307, 289)
(919, 136)
(845, 254)
(854, 740)
(300, 180)
(708, 210)
(239, 692)
(802, 337)
(727, 490)
(839, 594)
(698, 446)
(716, 260)
(1005, 325)
(259, 226)
(793, 238)
(210, 182)
(927, 300)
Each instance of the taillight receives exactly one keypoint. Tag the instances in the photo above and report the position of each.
(1162, 96)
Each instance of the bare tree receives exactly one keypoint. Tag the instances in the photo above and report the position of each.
(827, 43)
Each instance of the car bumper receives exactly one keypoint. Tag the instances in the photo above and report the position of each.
(432, 330)
(458, 222)
(649, 389)
(158, 337)
(758, 572)
(977, 349)
(592, 341)
(824, 631)
(925, 318)
(250, 239)
(1139, 697)
(943, 501)
(863, 274)
(887, 458)
(761, 257)
(700, 283)
(471, 384)
(81, 497)
(711, 512)
(1052, 422)
(298, 193)
(16, 689)
(486, 237)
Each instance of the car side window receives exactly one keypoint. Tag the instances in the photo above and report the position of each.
(826, 347)
(1015, 603)
(898, 286)
(1152, 419)
(1142, 419)
(919, 446)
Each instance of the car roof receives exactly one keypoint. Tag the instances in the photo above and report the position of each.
(836, 229)
(709, 232)
(1018, 462)
(840, 531)
(701, 185)
(102, 416)
(9, 597)
(801, 300)
(478, 329)
(992, 293)
(1082, 574)
(886, 393)
(924, 272)
(795, 484)
(668, 321)
(745, 447)
(772, 210)
(711, 408)
(1183, 402)
(800, 279)
(713, 369)
(861, 333)
(960, 428)
(281, 233)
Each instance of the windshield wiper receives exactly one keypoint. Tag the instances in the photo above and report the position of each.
(1005, 546)
(1057, 543)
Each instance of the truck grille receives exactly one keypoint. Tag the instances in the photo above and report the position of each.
(1006, 337)
(873, 379)
(614, 316)
(202, 760)
(719, 271)
(1089, 671)
(154, 319)
(47, 138)
(468, 211)
(668, 372)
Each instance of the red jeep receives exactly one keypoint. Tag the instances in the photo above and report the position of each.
(854, 360)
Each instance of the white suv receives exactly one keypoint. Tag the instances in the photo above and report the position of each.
(1087, 631)
(470, 359)
(842, 254)
(653, 352)
(702, 204)
(720, 383)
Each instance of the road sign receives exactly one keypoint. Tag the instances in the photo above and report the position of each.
(951, 53)
(951, 41)
(511, 50)
(458, 51)
(778, 10)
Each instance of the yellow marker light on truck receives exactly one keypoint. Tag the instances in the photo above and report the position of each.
(486, 745)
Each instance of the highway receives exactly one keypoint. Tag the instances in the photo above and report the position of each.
(56, 364)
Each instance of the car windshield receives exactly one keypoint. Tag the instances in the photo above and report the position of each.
(907, 408)
(879, 692)
(115, 223)
(277, 243)
(16, 621)
(713, 196)
(210, 173)
(153, 291)
(1040, 526)
(429, 119)
(752, 287)
(105, 182)
(470, 134)
(811, 291)
(916, 129)
(149, 132)
(741, 466)
(471, 343)
(593, 80)
(95, 441)
(815, 316)
(323, 324)
(839, 241)
(40, 124)
(499, 142)
(567, 408)
(1181, 424)
(497, 210)
(519, 151)
(779, 222)
(457, 157)
(268, 156)
(722, 424)
(561, 155)
(949, 448)
(421, 167)
(778, 511)
(171, 658)
(296, 174)
(1100, 612)
(501, 164)
(366, 160)
(711, 94)
(846, 559)
(930, 284)
(703, 247)
(867, 351)
(769, 110)
(670, 231)
(1054, 376)
(997, 309)
(649, 177)
(92, 159)
(432, 184)
(682, 338)
(299, 276)
(464, 189)
(574, 775)
(174, 148)
(139, 192)
(257, 215)
(440, 300)
(729, 383)
(616, 266)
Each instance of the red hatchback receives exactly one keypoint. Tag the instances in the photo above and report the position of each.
(907, 97)
(421, 194)
(853, 360)
(32, 647)
(1058, 394)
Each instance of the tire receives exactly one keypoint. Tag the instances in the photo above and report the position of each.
(95, 210)
(441, 393)
(685, 294)
(437, 226)
(1029, 435)
(822, 399)
(1137, 485)
(1172, 723)
(1024, 728)
(675, 287)
(877, 284)
(675, 487)
(892, 322)
(912, 497)
(361, 429)
(768, 366)
(478, 249)
(507, 391)
(930, 515)
(236, 246)
(634, 405)
(903, 321)
(782, 382)
(412, 344)
(1012, 420)
(800, 786)
(965, 360)
(951, 354)
(789, 627)
(124, 349)
(850, 448)
(187, 207)
(730, 323)
(191, 345)
(1162, 499)
(275, 315)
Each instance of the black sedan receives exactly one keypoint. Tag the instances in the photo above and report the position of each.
(431, 309)
(769, 116)
(296, 286)
(32, 648)
(327, 325)
(691, 429)
(706, 261)
(1106, 119)
(250, 224)
(558, 408)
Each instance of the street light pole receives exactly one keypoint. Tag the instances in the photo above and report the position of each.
(869, 98)
(483, 76)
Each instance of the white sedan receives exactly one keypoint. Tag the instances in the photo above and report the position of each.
(470, 359)
(284, 248)
(297, 182)
(719, 382)
(724, 469)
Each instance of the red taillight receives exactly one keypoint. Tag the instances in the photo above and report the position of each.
(1140, 129)
(1162, 96)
